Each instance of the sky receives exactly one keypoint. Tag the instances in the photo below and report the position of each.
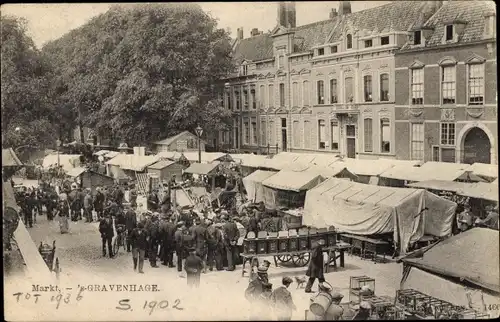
(50, 21)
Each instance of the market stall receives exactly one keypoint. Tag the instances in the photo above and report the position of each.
(361, 209)
(462, 270)
(253, 185)
(66, 161)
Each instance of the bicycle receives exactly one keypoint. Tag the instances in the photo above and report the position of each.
(120, 240)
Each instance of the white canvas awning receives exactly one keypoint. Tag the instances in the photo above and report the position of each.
(67, 161)
(253, 184)
(75, 172)
(133, 162)
(480, 190)
(368, 209)
(293, 181)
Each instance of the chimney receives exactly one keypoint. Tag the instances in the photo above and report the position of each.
(240, 33)
(344, 8)
(490, 21)
(286, 14)
(254, 32)
(333, 13)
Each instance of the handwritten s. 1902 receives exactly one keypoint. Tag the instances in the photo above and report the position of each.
(151, 306)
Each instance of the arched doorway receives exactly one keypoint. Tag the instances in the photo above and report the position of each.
(477, 147)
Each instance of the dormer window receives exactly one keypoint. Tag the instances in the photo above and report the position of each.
(384, 40)
(368, 43)
(349, 41)
(417, 37)
(244, 70)
(449, 32)
(321, 51)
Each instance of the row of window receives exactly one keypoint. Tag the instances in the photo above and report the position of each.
(475, 85)
(300, 93)
(305, 139)
(445, 152)
(348, 44)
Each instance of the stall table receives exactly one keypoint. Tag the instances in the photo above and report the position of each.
(303, 256)
(366, 246)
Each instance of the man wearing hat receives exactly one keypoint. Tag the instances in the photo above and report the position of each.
(99, 202)
(282, 301)
(315, 269)
(167, 232)
(152, 201)
(179, 244)
(107, 233)
(193, 266)
(74, 202)
(231, 235)
(87, 205)
(258, 292)
(218, 246)
(200, 238)
(464, 219)
(138, 239)
(154, 239)
(130, 223)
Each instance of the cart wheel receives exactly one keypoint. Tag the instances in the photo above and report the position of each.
(284, 258)
(300, 260)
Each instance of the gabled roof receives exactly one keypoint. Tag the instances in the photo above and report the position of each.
(202, 168)
(395, 16)
(171, 139)
(162, 164)
(313, 34)
(470, 12)
(255, 48)
(10, 159)
(133, 162)
(293, 181)
(472, 255)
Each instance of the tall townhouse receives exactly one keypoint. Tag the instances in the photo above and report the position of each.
(446, 86)
(326, 87)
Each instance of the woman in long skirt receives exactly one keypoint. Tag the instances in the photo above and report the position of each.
(63, 213)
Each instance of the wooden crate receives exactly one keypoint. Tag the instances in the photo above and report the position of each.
(262, 242)
(293, 240)
(303, 239)
(283, 239)
(250, 244)
(272, 242)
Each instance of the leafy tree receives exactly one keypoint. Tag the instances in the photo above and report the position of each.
(143, 72)
(27, 102)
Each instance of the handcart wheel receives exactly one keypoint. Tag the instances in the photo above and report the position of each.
(301, 260)
(284, 258)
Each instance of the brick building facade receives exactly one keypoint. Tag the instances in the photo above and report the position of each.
(328, 86)
(446, 87)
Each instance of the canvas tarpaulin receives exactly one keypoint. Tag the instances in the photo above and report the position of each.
(367, 209)
(67, 161)
(253, 184)
(293, 181)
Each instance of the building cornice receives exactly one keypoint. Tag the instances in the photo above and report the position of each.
(445, 46)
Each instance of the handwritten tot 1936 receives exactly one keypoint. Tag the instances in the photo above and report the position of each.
(61, 297)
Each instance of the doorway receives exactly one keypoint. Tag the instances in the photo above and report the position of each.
(477, 147)
(350, 131)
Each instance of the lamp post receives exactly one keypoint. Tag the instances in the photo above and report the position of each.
(199, 132)
(58, 144)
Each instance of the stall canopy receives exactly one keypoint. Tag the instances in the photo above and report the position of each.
(206, 157)
(367, 209)
(293, 181)
(133, 162)
(428, 171)
(202, 168)
(479, 190)
(75, 172)
(485, 171)
(250, 160)
(67, 161)
(172, 155)
(253, 184)
(472, 256)
(441, 185)
(10, 159)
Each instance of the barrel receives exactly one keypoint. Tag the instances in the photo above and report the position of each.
(321, 303)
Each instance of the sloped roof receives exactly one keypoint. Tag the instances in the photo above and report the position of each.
(207, 157)
(162, 164)
(259, 176)
(133, 162)
(255, 48)
(313, 34)
(472, 255)
(439, 185)
(172, 139)
(293, 181)
(10, 159)
(395, 16)
(75, 172)
(472, 12)
(484, 170)
(480, 190)
(202, 168)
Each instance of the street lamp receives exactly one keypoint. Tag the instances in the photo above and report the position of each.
(58, 144)
(199, 132)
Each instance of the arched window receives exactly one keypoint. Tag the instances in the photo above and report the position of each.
(349, 41)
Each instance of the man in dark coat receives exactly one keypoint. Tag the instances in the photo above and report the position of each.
(179, 244)
(130, 224)
(138, 238)
(165, 202)
(258, 293)
(119, 195)
(200, 237)
(133, 197)
(27, 208)
(316, 266)
(281, 298)
(168, 229)
(51, 202)
(193, 266)
(99, 202)
(154, 240)
(107, 233)
(231, 235)
(74, 202)
(152, 201)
